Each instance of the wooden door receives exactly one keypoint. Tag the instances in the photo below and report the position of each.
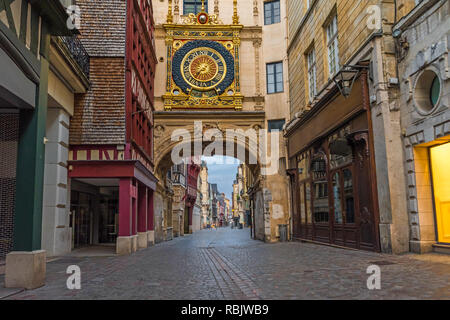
(365, 215)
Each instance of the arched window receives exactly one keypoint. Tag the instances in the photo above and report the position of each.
(193, 6)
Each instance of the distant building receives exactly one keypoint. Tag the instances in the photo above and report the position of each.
(205, 197)
(197, 211)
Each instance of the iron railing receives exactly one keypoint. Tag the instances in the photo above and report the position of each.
(78, 52)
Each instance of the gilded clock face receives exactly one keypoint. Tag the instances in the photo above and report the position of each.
(203, 68)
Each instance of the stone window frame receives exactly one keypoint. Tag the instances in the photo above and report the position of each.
(418, 77)
(419, 176)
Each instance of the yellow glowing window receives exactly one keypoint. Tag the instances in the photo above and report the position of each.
(440, 162)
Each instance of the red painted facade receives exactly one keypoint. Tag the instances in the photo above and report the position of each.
(193, 170)
(140, 73)
(123, 151)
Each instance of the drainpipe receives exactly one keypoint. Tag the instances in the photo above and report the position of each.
(395, 12)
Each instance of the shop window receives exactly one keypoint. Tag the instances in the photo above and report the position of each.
(321, 206)
(308, 204)
(343, 199)
(320, 187)
(319, 168)
(337, 198)
(302, 204)
(427, 92)
(303, 166)
(349, 200)
(441, 189)
(341, 152)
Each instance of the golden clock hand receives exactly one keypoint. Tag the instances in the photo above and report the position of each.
(201, 70)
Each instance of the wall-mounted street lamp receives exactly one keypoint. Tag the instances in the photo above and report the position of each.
(346, 77)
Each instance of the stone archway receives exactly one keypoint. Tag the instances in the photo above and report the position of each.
(167, 122)
(191, 123)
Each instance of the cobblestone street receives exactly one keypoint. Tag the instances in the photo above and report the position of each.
(226, 264)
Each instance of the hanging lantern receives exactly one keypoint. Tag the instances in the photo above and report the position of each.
(346, 77)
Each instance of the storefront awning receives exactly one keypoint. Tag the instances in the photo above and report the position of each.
(112, 169)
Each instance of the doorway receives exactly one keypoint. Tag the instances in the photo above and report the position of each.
(440, 156)
(81, 219)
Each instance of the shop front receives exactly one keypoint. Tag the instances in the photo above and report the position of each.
(333, 188)
(429, 188)
(94, 213)
(112, 204)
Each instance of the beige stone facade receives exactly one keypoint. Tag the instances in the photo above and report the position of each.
(365, 47)
(205, 213)
(423, 57)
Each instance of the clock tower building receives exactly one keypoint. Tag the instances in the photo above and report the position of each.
(222, 66)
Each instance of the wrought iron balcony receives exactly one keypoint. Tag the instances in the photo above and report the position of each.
(78, 52)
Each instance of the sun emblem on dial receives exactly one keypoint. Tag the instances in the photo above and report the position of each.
(204, 68)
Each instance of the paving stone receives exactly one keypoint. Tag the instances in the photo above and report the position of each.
(227, 264)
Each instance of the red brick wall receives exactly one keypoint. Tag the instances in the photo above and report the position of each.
(141, 65)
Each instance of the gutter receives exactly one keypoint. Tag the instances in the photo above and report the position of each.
(415, 14)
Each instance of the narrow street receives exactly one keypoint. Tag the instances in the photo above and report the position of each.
(226, 264)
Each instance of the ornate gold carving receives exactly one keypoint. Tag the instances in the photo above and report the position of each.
(235, 13)
(169, 41)
(216, 7)
(203, 69)
(192, 19)
(169, 13)
(229, 45)
(177, 44)
(176, 9)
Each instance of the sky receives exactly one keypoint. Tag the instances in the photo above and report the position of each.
(222, 171)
